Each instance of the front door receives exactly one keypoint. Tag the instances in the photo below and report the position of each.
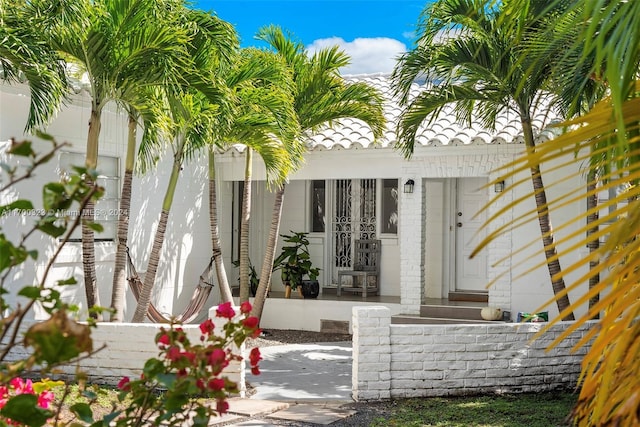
(353, 217)
(471, 195)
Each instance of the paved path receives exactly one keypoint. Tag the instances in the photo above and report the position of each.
(298, 382)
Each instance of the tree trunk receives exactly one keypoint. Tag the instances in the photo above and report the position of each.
(158, 241)
(119, 272)
(269, 255)
(548, 239)
(593, 243)
(152, 268)
(89, 258)
(221, 274)
(244, 229)
(88, 241)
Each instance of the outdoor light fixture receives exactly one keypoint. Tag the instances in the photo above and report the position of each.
(408, 186)
(498, 187)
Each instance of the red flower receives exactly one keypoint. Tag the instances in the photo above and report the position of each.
(222, 406)
(216, 384)
(173, 353)
(218, 360)
(225, 310)
(251, 322)
(206, 327)
(255, 370)
(124, 384)
(45, 398)
(164, 339)
(245, 307)
(254, 356)
(190, 356)
(200, 383)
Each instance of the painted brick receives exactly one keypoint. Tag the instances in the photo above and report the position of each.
(440, 360)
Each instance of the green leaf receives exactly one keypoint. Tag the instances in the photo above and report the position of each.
(83, 411)
(23, 149)
(69, 281)
(24, 409)
(18, 204)
(44, 135)
(58, 339)
(95, 227)
(31, 292)
(50, 229)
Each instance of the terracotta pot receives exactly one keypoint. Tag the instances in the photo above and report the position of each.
(491, 313)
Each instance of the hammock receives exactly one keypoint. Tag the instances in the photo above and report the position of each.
(198, 299)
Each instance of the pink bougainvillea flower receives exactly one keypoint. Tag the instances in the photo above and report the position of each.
(222, 406)
(190, 356)
(173, 353)
(225, 310)
(207, 327)
(255, 356)
(45, 398)
(164, 339)
(218, 361)
(251, 322)
(245, 307)
(216, 384)
(124, 384)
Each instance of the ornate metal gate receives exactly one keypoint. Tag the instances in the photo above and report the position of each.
(354, 217)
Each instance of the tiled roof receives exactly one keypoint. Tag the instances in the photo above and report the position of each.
(445, 131)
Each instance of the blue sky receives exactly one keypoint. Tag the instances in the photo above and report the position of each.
(372, 32)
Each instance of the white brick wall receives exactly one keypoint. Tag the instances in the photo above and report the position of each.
(441, 360)
(128, 347)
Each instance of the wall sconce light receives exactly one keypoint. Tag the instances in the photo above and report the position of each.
(408, 186)
(498, 187)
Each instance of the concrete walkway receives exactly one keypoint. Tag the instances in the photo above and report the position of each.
(298, 382)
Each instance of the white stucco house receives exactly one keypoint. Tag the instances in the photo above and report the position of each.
(349, 188)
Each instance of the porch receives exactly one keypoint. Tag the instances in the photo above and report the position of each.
(331, 313)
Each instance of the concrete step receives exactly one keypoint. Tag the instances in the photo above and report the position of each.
(469, 311)
(401, 319)
(476, 296)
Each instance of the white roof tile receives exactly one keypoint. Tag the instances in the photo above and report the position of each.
(445, 131)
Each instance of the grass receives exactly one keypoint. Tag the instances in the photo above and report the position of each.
(531, 410)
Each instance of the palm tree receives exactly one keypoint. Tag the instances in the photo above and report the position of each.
(123, 46)
(242, 111)
(607, 41)
(23, 54)
(265, 123)
(321, 98)
(475, 64)
(200, 27)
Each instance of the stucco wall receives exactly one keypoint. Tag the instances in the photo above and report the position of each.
(391, 360)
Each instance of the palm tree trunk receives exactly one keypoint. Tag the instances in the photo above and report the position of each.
(548, 239)
(221, 274)
(88, 242)
(119, 271)
(158, 241)
(89, 258)
(244, 229)
(593, 244)
(269, 255)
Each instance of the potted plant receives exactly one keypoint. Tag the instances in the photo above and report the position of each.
(294, 263)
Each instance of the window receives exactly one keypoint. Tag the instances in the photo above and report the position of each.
(318, 206)
(106, 209)
(389, 222)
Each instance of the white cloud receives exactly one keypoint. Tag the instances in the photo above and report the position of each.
(368, 55)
